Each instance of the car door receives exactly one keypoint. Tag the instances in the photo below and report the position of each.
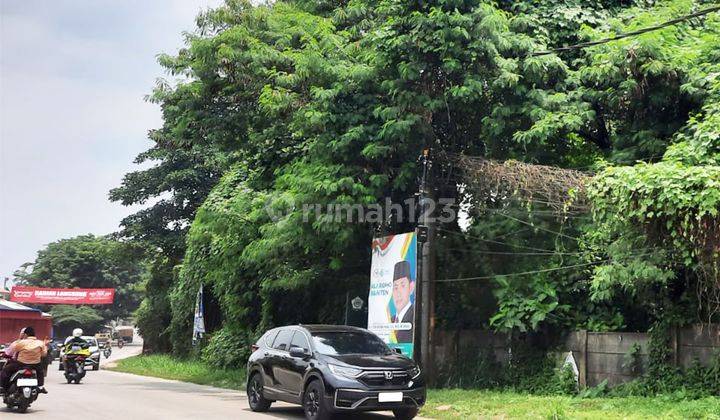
(277, 359)
(265, 360)
(297, 366)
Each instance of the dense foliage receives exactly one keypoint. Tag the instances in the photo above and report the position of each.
(321, 102)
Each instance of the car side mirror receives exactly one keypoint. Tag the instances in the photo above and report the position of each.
(299, 352)
(397, 350)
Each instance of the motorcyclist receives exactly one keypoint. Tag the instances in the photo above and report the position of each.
(75, 340)
(25, 352)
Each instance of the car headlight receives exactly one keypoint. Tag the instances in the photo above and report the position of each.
(347, 372)
(414, 372)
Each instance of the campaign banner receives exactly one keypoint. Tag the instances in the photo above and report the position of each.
(26, 294)
(391, 302)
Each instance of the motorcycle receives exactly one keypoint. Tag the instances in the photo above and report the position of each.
(74, 361)
(74, 368)
(107, 351)
(23, 389)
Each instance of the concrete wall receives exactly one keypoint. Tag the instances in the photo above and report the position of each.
(599, 355)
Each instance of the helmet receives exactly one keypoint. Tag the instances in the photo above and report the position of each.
(77, 332)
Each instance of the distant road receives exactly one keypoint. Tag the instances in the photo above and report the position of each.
(108, 395)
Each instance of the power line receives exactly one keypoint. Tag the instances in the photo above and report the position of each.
(531, 248)
(538, 227)
(524, 273)
(505, 243)
(628, 34)
(544, 270)
(501, 252)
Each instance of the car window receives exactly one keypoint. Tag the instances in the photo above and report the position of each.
(349, 342)
(270, 337)
(282, 340)
(299, 340)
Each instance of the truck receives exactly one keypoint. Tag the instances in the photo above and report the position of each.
(125, 333)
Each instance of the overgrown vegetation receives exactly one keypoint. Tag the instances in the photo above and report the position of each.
(306, 102)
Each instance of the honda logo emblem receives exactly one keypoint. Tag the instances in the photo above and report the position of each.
(388, 375)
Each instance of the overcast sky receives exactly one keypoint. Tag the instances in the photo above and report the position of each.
(73, 75)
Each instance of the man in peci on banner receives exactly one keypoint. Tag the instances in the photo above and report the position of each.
(403, 289)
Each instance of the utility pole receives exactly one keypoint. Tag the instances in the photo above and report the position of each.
(425, 290)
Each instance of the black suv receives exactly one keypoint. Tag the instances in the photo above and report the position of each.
(329, 369)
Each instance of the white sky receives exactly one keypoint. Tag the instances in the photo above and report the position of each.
(73, 75)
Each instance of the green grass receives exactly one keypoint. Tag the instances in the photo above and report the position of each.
(467, 404)
(461, 404)
(168, 367)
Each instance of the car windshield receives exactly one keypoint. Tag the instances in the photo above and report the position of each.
(340, 343)
(91, 341)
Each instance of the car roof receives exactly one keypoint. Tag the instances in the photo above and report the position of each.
(317, 328)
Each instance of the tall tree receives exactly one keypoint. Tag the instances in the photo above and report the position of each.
(89, 261)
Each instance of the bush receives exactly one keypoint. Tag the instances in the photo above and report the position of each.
(529, 370)
(228, 348)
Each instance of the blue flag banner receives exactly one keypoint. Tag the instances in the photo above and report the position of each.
(199, 319)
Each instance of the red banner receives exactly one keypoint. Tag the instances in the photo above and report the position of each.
(65, 296)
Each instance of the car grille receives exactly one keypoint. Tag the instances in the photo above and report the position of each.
(354, 399)
(375, 379)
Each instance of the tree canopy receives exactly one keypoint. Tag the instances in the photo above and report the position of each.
(90, 261)
(307, 102)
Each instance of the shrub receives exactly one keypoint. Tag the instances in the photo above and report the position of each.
(228, 348)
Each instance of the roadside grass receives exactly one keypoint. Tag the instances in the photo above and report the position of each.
(468, 404)
(461, 404)
(194, 371)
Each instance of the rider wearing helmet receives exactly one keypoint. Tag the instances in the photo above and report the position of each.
(76, 337)
(74, 341)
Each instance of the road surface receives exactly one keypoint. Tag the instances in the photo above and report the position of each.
(111, 395)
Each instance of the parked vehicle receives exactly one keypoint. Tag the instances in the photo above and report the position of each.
(125, 334)
(23, 389)
(54, 348)
(103, 337)
(330, 369)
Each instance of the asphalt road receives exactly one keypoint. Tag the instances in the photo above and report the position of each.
(110, 395)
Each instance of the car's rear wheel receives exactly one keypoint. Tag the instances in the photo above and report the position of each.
(405, 413)
(255, 394)
(314, 402)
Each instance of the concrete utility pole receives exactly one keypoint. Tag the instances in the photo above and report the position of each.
(425, 290)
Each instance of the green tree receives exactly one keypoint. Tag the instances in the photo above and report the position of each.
(333, 101)
(90, 261)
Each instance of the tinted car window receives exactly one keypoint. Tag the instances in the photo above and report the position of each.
(282, 340)
(299, 340)
(270, 337)
(340, 343)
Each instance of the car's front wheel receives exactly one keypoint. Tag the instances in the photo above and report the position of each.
(255, 394)
(405, 413)
(314, 402)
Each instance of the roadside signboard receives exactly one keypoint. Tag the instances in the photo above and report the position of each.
(28, 294)
(391, 302)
